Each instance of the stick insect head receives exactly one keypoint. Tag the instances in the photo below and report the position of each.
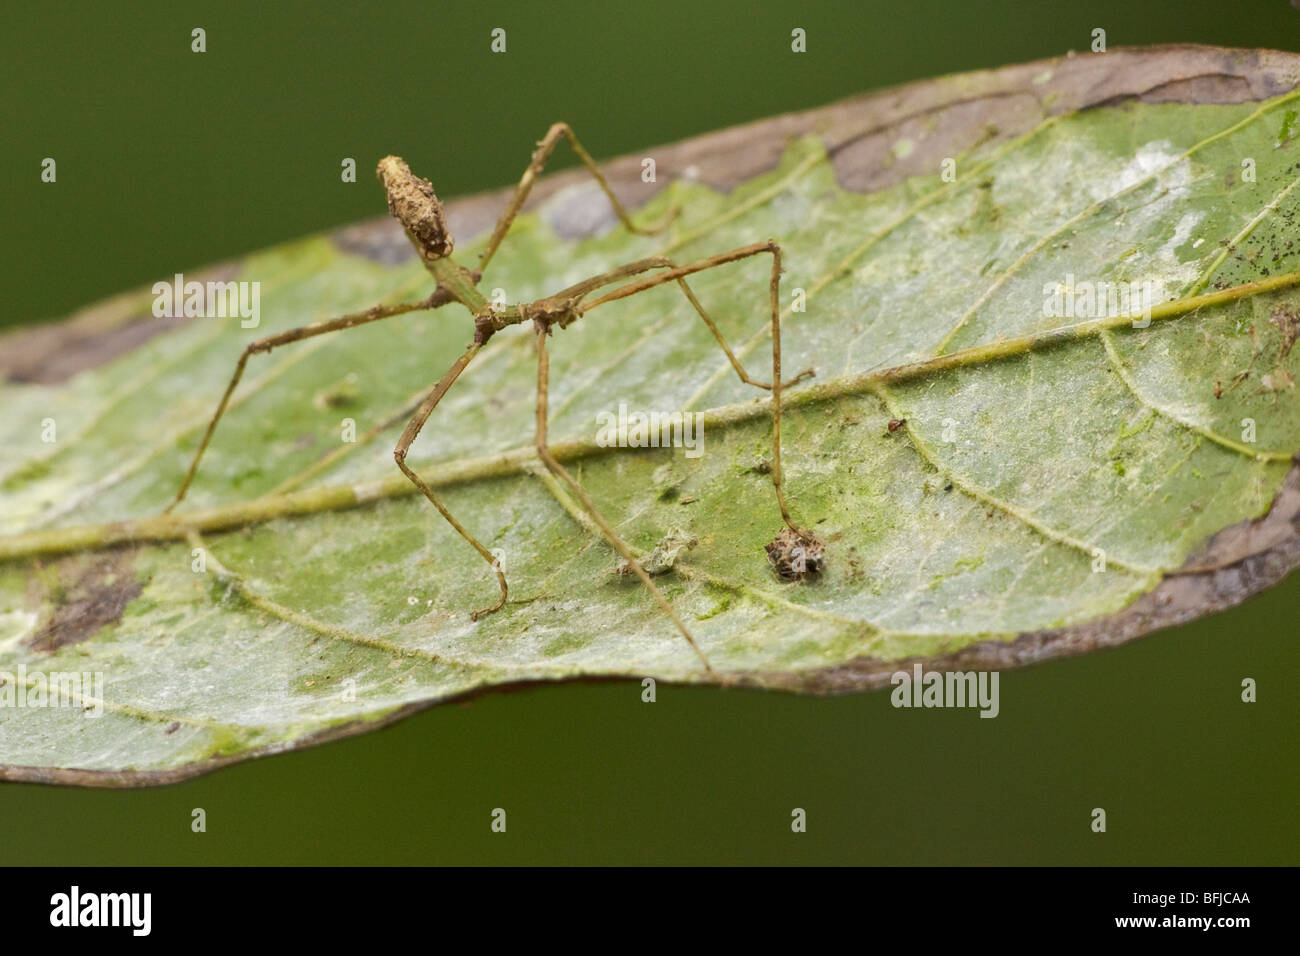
(412, 202)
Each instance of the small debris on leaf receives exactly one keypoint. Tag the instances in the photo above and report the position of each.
(796, 555)
(1288, 324)
(339, 395)
(664, 555)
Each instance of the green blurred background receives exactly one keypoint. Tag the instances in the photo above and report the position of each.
(168, 160)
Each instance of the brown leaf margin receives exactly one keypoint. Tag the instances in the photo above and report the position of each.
(942, 116)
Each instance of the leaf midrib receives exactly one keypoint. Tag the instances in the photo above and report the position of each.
(520, 460)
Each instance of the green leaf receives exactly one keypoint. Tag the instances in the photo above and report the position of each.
(1047, 492)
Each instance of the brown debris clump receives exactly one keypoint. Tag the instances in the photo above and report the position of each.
(796, 555)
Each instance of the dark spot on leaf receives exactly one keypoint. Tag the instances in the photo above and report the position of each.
(340, 395)
(89, 595)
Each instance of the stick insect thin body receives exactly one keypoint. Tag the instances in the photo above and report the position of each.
(412, 201)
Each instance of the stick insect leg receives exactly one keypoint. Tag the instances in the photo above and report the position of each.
(544, 452)
(645, 265)
(373, 314)
(399, 454)
(678, 273)
(543, 152)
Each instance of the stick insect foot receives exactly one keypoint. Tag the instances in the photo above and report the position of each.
(788, 383)
(805, 374)
(486, 611)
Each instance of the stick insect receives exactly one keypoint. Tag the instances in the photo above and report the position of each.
(411, 200)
